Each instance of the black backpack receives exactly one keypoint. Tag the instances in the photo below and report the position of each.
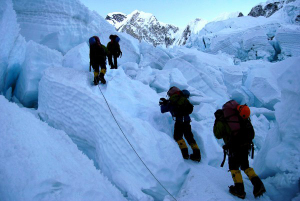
(181, 105)
(97, 51)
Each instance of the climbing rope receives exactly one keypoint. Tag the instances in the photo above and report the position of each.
(133, 147)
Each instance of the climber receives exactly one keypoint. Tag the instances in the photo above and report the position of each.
(233, 124)
(180, 108)
(113, 51)
(98, 54)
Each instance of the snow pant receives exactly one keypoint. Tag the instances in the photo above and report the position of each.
(113, 65)
(184, 129)
(238, 158)
(96, 67)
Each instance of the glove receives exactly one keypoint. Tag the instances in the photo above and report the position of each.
(120, 54)
(163, 101)
(219, 114)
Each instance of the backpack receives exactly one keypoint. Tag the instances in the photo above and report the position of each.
(114, 38)
(180, 103)
(242, 131)
(97, 51)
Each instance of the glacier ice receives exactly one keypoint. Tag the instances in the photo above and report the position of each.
(42, 163)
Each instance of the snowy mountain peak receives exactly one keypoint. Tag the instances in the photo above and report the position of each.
(192, 28)
(115, 17)
(146, 27)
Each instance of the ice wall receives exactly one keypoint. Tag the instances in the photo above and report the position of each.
(279, 157)
(60, 25)
(37, 59)
(41, 163)
(69, 101)
(12, 48)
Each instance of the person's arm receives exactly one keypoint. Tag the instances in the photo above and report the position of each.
(164, 105)
(119, 51)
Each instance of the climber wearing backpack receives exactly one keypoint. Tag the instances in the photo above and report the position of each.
(98, 54)
(233, 124)
(180, 108)
(113, 51)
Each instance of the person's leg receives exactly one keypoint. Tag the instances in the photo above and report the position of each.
(258, 186)
(96, 73)
(109, 57)
(102, 73)
(115, 62)
(187, 130)
(178, 134)
(234, 165)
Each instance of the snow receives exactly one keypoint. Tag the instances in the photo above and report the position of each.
(37, 59)
(249, 38)
(100, 137)
(226, 15)
(61, 140)
(39, 162)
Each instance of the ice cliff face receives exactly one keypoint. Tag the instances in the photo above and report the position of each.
(59, 25)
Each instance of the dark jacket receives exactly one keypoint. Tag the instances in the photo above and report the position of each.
(167, 107)
(98, 54)
(113, 48)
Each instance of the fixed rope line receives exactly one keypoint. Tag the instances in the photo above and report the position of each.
(132, 146)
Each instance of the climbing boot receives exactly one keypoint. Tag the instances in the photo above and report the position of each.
(96, 79)
(238, 188)
(258, 186)
(101, 76)
(183, 148)
(196, 156)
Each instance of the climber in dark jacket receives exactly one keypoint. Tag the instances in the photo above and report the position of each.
(182, 125)
(233, 125)
(98, 54)
(113, 51)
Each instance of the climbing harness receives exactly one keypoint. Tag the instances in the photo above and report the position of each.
(133, 147)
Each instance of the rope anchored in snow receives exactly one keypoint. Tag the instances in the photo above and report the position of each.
(133, 147)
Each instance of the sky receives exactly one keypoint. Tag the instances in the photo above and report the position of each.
(176, 12)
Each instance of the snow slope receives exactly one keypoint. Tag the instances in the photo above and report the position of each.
(83, 114)
(39, 162)
(81, 139)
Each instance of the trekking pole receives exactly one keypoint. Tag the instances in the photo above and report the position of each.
(224, 158)
(252, 152)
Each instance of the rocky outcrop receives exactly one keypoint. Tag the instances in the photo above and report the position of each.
(115, 18)
(266, 10)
